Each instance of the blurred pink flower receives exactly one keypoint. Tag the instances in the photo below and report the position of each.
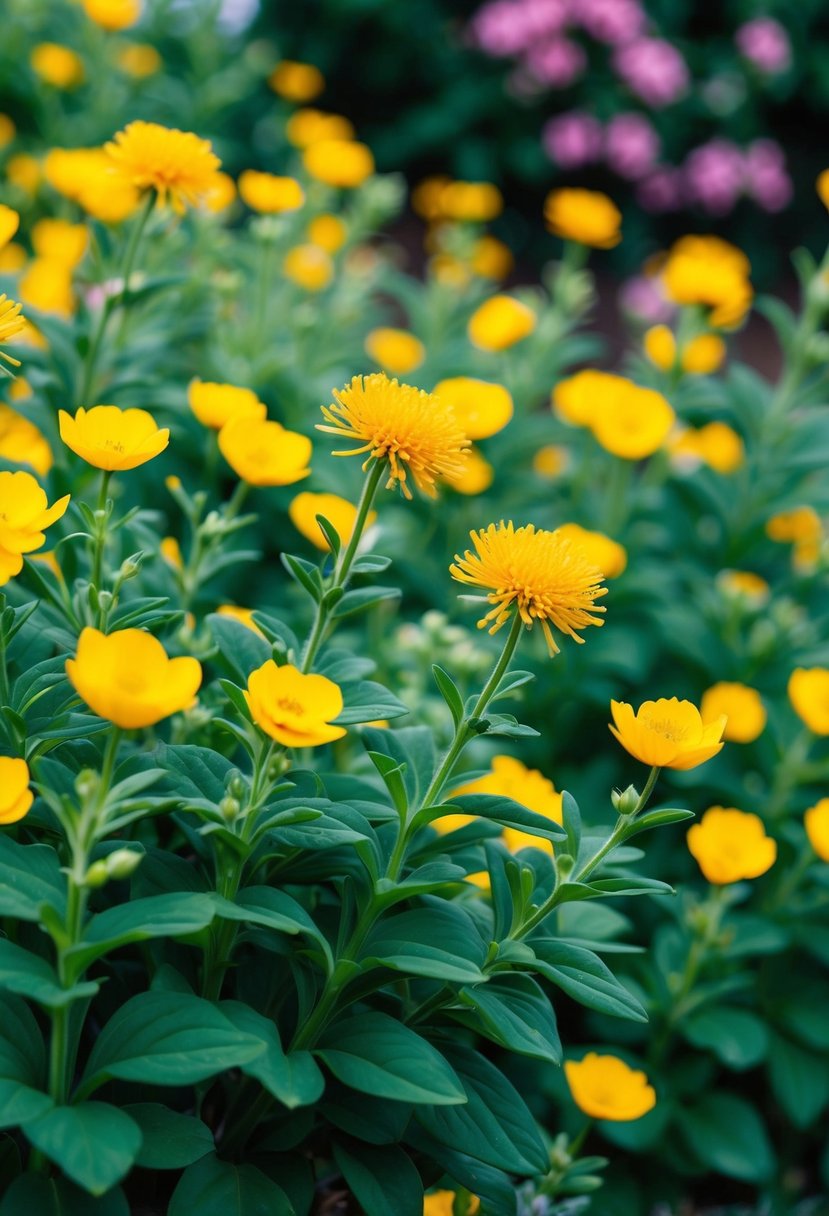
(556, 63)
(641, 297)
(573, 139)
(714, 174)
(509, 27)
(661, 190)
(765, 43)
(631, 145)
(611, 20)
(765, 177)
(652, 69)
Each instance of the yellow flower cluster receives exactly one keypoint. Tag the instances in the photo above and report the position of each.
(627, 420)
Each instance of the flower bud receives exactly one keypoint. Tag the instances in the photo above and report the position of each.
(564, 866)
(130, 567)
(121, 863)
(86, 783)
(229, 808)
(236, 785)
(626, 801)
(96, 875)
(104, 601)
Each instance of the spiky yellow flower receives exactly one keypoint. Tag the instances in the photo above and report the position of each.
(11, 324)
(544, 576)
(413, 430)
(177, 164)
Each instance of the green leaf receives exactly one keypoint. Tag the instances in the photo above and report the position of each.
(305, 573)
(34, 1195)
(736, 1037)
(330, 533)
(392, 773)
(727, 1135)
(383, 1180)
(494, 1187)
(505, 811)
(655, 819)
(30, 975)
(368, 702)
(274, 910)
(29, 877)
(449, 692)
(195, 772)
(241, 648)
(571, 818)
(378, 1055)
(213, 1187)
(95, 1144)
(512, 1010)
(799, 1081)
(583, 976)
(364, 597)
(438, 940)
(22, 1064)
(175, 915)
(169, 1140)
(294, 1079)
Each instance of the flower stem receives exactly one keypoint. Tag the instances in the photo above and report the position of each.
(99, 540)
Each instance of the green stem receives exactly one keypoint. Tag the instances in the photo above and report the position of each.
(99, 540)
(787, 773)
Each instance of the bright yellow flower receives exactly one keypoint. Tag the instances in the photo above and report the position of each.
(579, 398)
(57, 65)
(113, 14)
(306, 127)
(243, 615)
(328, 232)
(178, 165)
(474, 202)
(24, 517)
(11, 324)
(482, 408)
(816, 822)
(730, 845)
(128, 678)
(217, 404)
(220, 193)
(704, 355)
(600, 551)
(809, 695)
(509, 778)
(22, 443)
(47, 286)
(585, 216)
(7, 130)
(551, 460)
(667, 733)
(414, 431)
(90, 178)
(170, 550)
(441, 1203)
(744, 583)
(9, 224)
(500, 322)
(716, 444)
(15, 795)
(269, 194)
(742, 706)
(139, 59)
(632, 422)
(12, 258)
(427, 197)
(660, 347)
(709, 271)
(111, 438)
(23, 171)
(477, 476)
(296, 81)
(795, 526)
(542, 575)
(395, 350)
(60, 241)
(338, 162)
(605, 1087)
(340, 513)
(309, 267)
(491, 258)
(263, 453)
(293, 708)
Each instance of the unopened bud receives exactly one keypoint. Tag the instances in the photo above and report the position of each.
(96, 875)
(104, 600)
(129, 568)
(86, 783)
(229, 808)
(564, 865)
(626, 801)
(121, 863)
(236, 785)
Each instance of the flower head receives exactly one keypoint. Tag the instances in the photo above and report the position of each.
(113, 14)
(217, 404)
(340, 513)
(414, 431)
(500, 322)
(111, 438)
(47, 286)
(176, 164)
(483, 409)
(816, 822)
(473, 202)
(509, 778)
(309, 126)
(61, 241)
(57, 65)
(15, 795)
(477, 475)
(338, 162)
(605, 1087)
(327, 232)
(139, 59)
(605, 554)
(128, 678)
(667, 733)
(296, 81)
(90, 178)
(578, 398)
(716, 444)
(442, 1203)
(268, 194)
(632, 422)
(809, 695)
(730, 845)
(309, 266)
(745, 585)
(9, 224)
(24, 517)
(11, 324)
(22, 443)
(263, 453)
(742, 706)
(541, 575)
(585, 216)
(709, 271)
(293, 708)
(395, 350)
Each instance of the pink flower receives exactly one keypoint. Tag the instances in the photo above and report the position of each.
(661, 190)
(631, 145)
(641, 297)
(573, 139)
(765, 177)
(652, 69)
(714, 175)
(509, 27)
(611, 20)
(766, 44)
(557, 63)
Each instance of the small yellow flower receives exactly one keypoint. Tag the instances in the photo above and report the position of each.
(509, 778)
(306, 127)
(328, 232)
(441, 1203)
(309, 267)
(338, 162)
(220, 193)
(709, 271)
(473, 202)
(809, 695)
(816, 822)
(795, 526)
(24, 517)
(113, 14)
(217, 404)
(340, 513)
(111, 438)
(482, 408)
(395, 350)
(450, 271)
(90, 178)
(263, 453)
(500, 322)
(296, 81)
(47, 287)
(9, 224)
(139, 59)
(293, 708)
(15, 796)
(427, 197)
(170, 550)
(667, 733)
(20, 389)
(7, 130)
(716, 444)
(11, 325)
(13, 258)
(128, 678)
(585, 216)
(605, 554)
(178, 165)
(605, 1087)
(21, 442)
(660, 347)
(632, 422)
(414, 431)
(744, 584)
(23, 171)
(704, 355)
(57, 65)
(551, 461)
(60, 241)
(477, 476)
(730, 845)
(742, 706)
(539, 574)
(491, 258)
(269, 194)
(578, 398)
(243, 615)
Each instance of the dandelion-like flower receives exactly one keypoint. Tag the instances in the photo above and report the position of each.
(415, 431)
(177, 164)
(11, 324)
(542, 575)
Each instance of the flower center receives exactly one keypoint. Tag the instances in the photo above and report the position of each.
(289, 706)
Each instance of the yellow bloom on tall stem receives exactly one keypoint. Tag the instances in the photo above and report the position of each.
(15, 796)
(61, 241)
(269, 194)
(395, 350)
(605, 1087)
(128, 678)
(667, 733)
(293, 708)
(11, 324)
(816, 822)
(113, 439)
(217, 404)
(809, 695)
(263, 453)
(585, 216)
(709, 271)
(339, 162)
(340, 513)
(742, 706)
(25, 515)
(542, 576)
(500, 322)
(730, 845)
(482, 408)
(178, 165)
(413, 430)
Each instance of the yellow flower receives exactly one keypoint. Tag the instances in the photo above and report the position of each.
(551, 460)
(600, 551)
(542, 575)
(341, 514)
(742, 706)
(23, 171)
(306, 127)
(709, 271)
(744, 583)
(579, 398)
(338, 162)
(61, 241)
(729, 845)
(500, 322)
(24, 517)
(111, 438)
(441, 1203)
(632, 422)
(809, 695)
(795, 526)
(481, 408)
(244, 615)
(296, 81)
(22, 443)
(716, 444)
(605, 1087)
(11, 324)
(816, 822)
(308, 266)
(217, 404)
(328, 232)
(660, 347)
(90, 178)
(822, 186)
(220, 193)
(113, 14)
(509, 778)
(178, 165)
(15, 795)
(57, 65)
(139, 59)
(12, 258)
(427, 197)
(268, 194)
(450, 271)
(20, 389)
(414, 431)
(667, 733)
(703, 355)
(477, 475)
(9, 224)
(474, 202)
(491, 258)
(170, 550)
(585, 216)
(47, 286)
(293, 708)
(7, 130)
(128, 678)
(395, 350)
(263, 453)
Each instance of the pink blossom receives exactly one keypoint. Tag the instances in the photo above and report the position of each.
(765, 177)
(765, 42)
(556, 63)
(509, 27)
(714, 175)
(611, 20)
(631, 145)
(652, 69)
(573, 139)
(642, 297)
(661, 190)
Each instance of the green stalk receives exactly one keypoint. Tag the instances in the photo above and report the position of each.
(99, 539)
